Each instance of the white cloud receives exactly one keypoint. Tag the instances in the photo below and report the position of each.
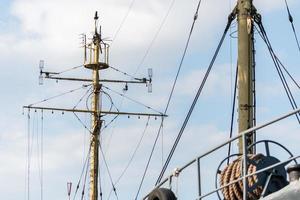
(49, 29)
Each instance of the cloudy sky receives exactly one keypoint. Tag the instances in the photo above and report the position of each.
(31, 30)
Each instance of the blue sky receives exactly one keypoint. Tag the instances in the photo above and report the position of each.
(31, 30)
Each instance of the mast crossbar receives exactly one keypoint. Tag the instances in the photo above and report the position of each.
(138, 81)
(101, 112)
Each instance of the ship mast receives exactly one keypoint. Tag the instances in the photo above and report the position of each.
(96, 117)
(96, 58)
(245, 70)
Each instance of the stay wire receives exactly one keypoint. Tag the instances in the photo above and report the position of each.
(108, 171)
(278, 63)
(232, 112)
(85, 178)
(134, 153)
(288, 73)
(279, 71)
(81, 98)
(135, 150)
(59, 95)
(122, 72)
(85, 165)
(292, 23)
(123, 21)
(67, 70)
(42, 156)
(135, 101)
(28, 153)
(82, 123)
(155, 37)
(265, 38)
(170, 97)
(230, 18)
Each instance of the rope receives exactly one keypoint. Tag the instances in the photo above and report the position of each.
(233, 171)
(230, 18)
(292, 23)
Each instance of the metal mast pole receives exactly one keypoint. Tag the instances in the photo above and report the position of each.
(96, 121)
(245, 70)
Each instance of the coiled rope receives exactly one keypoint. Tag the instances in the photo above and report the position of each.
(233, 172)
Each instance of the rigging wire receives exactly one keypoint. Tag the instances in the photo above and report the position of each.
(28, 153)
(108, 171)
(42, 155)
(59, 95)
(135, 101)
(39, 150)
(275, 59)
(81, 98)
(155, 37)
(170, 97)
(232, 112)
(85, 178)
(122, 72)
(67, 70)
(82, 123)
(162, 145)
(85, 165)
(292, 23)
(123, 21)
(230, 18)
(149, 47)
(133, 154)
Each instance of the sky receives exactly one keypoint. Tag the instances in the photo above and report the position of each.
(49, 30)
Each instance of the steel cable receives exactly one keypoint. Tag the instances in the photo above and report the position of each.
(232, 112)
(230, 19)
(170, 96)
(292, 23)
(275, 59)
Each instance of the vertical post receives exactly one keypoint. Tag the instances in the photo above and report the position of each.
(96, 125)
(245, 168)
(245, 72)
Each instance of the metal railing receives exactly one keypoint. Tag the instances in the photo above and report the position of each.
(243, 134)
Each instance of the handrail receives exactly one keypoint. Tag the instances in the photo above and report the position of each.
(242, 134)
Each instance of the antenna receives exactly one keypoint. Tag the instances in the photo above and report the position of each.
(96, 60)
(41, 66)
(83, 43)
(150, 75)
